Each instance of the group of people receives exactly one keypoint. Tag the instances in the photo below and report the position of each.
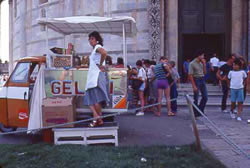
(232, 76)
(148, 81)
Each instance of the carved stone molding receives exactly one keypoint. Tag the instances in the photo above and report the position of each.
(154, 17)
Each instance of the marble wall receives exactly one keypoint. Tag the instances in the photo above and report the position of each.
(157, 25)
(29, 38)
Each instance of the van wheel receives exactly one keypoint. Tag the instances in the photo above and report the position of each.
(6, 129)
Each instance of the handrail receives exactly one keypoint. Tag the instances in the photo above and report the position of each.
(224, 136)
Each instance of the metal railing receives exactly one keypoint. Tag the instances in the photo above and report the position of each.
(191, 106)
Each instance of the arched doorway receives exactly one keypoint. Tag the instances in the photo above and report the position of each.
(204, 24)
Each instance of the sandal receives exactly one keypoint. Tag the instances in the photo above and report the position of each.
(100, 122)
(158, 114)
(94, 123)
(171, 114)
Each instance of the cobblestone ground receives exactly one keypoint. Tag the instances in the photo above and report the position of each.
(238, 132)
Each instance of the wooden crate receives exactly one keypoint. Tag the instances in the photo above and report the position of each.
(86, 136)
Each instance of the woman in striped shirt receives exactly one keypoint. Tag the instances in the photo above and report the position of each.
(162, 71)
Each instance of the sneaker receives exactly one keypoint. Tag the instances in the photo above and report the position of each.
(233, 116)
(235, 111)
(140, 113)
(239, 119)
(225, 111)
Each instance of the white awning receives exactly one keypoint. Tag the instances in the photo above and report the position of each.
(87, 24)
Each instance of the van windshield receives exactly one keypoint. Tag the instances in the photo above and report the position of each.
(21, 73)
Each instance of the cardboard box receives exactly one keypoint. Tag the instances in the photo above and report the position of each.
(58, 110)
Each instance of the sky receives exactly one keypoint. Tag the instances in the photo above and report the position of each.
(4, 50)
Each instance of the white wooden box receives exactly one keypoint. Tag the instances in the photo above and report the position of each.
(86, 136)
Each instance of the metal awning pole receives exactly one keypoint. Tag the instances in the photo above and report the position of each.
(47, 46)
(64, 46)
(124, 45)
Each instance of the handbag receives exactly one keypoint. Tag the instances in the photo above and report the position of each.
(136, 84)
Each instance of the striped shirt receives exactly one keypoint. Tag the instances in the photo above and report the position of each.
(160, 72)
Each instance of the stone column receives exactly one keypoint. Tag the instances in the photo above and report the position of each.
(11, 62)
(237, 26)
(172, 30)
(23, 34)
(0, 28)
(154, 17)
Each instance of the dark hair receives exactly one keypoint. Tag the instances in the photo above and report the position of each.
(108, 60)
(97, 36)
(146, 61)
(172, 63)
(139, 63)
(198, 53)
(120, 60)
(163, 58)
(152, 62)
(237, 62)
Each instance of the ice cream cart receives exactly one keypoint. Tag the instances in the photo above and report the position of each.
(63, 81)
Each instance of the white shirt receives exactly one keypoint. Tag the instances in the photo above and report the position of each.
(93, 72)
(142, 74)
(150, 72)
(221, 63)
(237, 78)
(96, 55)
(214, 61)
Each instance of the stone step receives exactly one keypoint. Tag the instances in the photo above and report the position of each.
(218, 93)
(213, 99)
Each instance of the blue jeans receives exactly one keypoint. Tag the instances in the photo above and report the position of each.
(201, 86)
(225, 90)
(173, 95)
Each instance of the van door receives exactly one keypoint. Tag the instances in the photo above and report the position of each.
(18, 96)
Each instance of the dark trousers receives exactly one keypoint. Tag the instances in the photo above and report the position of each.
(213, 75)
(201, 86)
(173, 95)
(225, 90)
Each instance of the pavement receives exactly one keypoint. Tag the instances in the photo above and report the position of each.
(134, 130)
(150, 130)
(237, 132)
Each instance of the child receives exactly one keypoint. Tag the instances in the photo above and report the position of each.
(173, 86)
(237, 78)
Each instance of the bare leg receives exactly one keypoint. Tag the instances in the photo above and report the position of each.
(98, 108)
(240, 107)
(95, 113)
(232, 106)
(141, 96)
(167, 95)
(159, 101)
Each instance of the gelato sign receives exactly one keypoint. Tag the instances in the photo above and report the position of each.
(65, 87)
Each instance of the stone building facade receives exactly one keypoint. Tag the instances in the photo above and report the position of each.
(174, 28)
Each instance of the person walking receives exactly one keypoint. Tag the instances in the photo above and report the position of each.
(162, 71)
(214, 63)
(197, 71)
(96, 86)
(222, 76)
(237, 78)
